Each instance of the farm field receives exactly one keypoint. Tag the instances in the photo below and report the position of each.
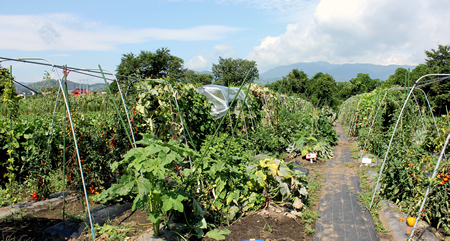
(181, 160)
(185, 164)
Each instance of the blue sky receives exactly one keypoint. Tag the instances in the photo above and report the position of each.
(85, 34)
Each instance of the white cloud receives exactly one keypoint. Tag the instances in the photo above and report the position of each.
(62, 31)
(205, 60)
(286, 10)
(364, 31)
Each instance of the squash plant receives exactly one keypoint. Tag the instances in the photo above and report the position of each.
(149, 177)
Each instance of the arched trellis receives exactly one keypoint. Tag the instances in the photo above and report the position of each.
(376, 113)
(345, 105)
(379, 106)
(418, 82)
(429, 186)
(71, 127)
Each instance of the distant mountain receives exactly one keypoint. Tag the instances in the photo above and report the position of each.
(203, 72)
(70, 85)
(340, 72)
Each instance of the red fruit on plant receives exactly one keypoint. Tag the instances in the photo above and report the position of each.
(34, 196)
(44, 164)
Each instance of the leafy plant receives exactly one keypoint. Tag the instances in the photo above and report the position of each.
(217, 234)
(145, 172)
(113, 232)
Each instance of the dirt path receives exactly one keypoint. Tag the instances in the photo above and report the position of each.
(342, 217)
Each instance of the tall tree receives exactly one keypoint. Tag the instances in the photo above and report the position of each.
(398, 78)
(152, 65)
(231, 72)
(322, 90)
(294, 83)
(440, 59)
(197, 79)
(363, 83)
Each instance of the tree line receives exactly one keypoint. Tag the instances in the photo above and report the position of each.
(321, 89)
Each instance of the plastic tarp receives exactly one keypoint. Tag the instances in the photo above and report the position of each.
(220, 97)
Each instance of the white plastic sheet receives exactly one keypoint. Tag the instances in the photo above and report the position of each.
(220, 97)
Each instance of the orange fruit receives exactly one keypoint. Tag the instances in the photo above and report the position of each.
(410, 221)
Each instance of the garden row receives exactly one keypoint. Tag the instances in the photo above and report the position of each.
(184, 164)
(410, 154)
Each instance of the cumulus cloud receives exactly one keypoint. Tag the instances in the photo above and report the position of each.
(359, 31)
(62, 31)
(205, 60)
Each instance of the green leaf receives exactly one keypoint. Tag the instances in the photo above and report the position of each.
(218, 234)
(285, 171)
(173, 200)
(201, 224)
(198, 210)
(144, 185)
(229, 198)
(220, 185)
(154, 217)
(261, 177)
(125, 188)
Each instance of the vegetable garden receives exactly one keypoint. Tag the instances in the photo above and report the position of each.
(155, 143)
(399, 125)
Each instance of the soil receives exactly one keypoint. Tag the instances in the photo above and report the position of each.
(276, 225)
(136, 221)
(23, 225)
(268, 224)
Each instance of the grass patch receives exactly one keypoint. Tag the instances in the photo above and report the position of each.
(315, 181)
(366, 197)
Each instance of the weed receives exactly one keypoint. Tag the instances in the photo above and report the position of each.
(309, 230)
(16, 216)
(75, 218)
(269, 229)
(309, 216)
(315, 182)
(348, 164)
(12, 238)
(366, 197)
(113, 232)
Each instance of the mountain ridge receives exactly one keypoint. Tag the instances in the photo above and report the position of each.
(340, 72)
(70, 85)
